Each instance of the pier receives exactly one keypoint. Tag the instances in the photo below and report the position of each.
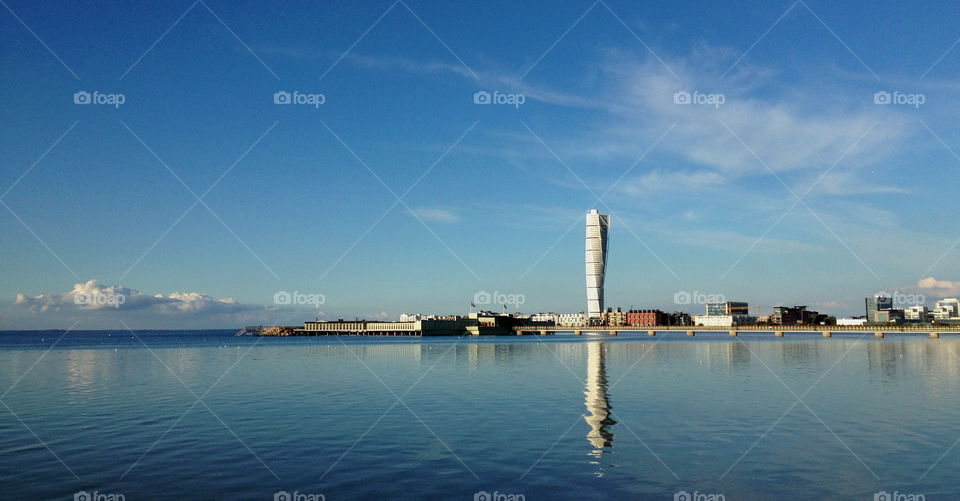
(466, 328)
(878, 331)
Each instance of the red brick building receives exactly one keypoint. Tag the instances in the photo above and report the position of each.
(647, 318)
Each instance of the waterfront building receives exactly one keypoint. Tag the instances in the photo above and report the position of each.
(491, 324)
(614, 318)
(571, 319)
(797, 315)
(917, 314)
(727, 308)
(679, 318)
(597, 226)
(406, 317)
(891, 316)
(723, 320)
(852, 321)
(647, 318)
(432, 327)
(550, 318)
(481, 323)
(875, 304)
(947, 309)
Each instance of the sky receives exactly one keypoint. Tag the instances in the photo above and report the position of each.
(216, 164)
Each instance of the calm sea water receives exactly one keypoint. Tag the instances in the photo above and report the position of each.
(205, 415)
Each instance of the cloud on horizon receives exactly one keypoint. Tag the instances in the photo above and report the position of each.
(941, 287)
(109, 305)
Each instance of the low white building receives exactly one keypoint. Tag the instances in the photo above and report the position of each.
(723, 320)
(544, 317)
(407, 317)
(917, 313)
(852, 322)
(946, 309)
(572, 319)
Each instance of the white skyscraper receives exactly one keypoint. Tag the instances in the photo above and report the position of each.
(596, 260)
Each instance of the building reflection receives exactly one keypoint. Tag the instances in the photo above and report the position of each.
(597, 402)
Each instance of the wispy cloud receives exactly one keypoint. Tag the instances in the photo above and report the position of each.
(755, 130)
(661, 180)
(408, 65)
(435, 215)
(851, 182)
(488, 79)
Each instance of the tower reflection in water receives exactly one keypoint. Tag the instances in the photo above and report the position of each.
(597, 403)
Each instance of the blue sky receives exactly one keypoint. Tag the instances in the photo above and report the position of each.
(797, 189)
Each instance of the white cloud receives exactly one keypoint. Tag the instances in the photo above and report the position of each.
(88, 296)
(96, 306)
(941, 287)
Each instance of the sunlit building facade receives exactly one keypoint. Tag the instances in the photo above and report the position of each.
(596, 261)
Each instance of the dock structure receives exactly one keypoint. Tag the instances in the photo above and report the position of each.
(826, 331)
(370, 328)
(267, 330)
(250, 330)
(503, 325)
(475, 324)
